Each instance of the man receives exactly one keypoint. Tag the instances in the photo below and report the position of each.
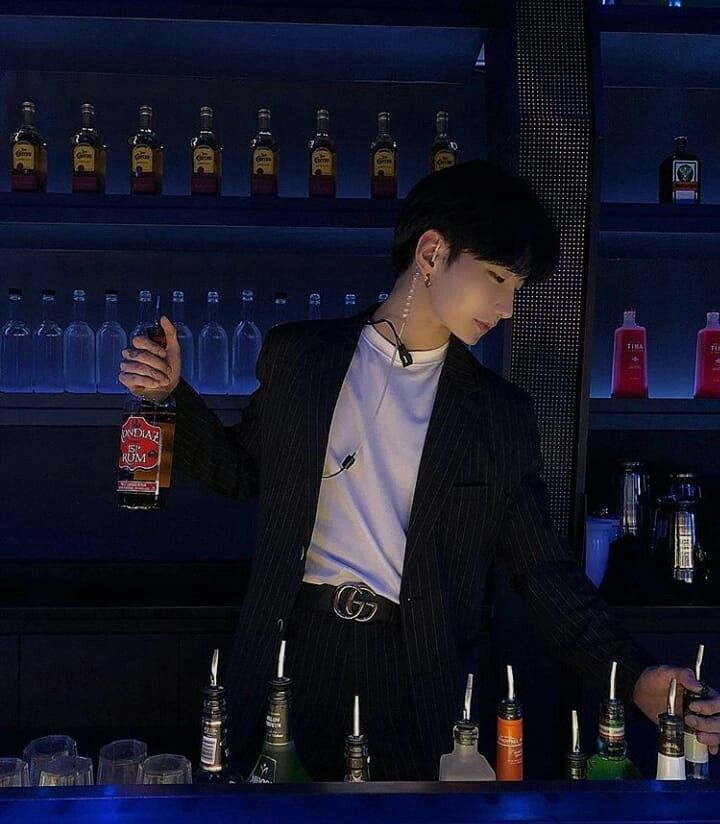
(392, 469)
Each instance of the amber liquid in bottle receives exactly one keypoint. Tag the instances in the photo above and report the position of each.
(383, 161)
(443, 152)
(264, 158)
(89, 155)
(146, 157)
(28, 155)
(206, 153)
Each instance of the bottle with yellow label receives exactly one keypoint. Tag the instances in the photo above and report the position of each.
(206, 155)
(444, 152)
(264, 158)
(146, 157)
(28, 155)
(323, 161)
(383, 161)
(89, 154)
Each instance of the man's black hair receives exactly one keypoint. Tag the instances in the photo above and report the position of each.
(484, 210)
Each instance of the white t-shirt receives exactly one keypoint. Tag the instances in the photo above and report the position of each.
(363, 513)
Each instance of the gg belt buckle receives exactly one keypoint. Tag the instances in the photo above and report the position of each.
(346, 607)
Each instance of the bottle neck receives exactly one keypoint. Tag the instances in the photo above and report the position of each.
(87, 120)
(322, 126)
(79, 310)
(441, 126)
(28, 116)
(213, 311)
(611, 732)
(178, 311)
(48, 305)
(145, 311)
(145, 119)
(383, 127)
(279, 311)
(15, 308)
(111, 309)
(206, 123)
(671, 736)
(264, 123)
(277, 726)
(247, 310)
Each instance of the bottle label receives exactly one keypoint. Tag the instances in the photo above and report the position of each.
(443, 159)
(263, 161)
(23, 155)
(276, 725)
(209, 751)
(384, 163)
(670, 768)
(509, 749)
(204, 160)
(142, 159)
(612, 733)
(685, 179)
(140, 450)
(322, 163)
(264, 772)
(83, 158)
(695, 751)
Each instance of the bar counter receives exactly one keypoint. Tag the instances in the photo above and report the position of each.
(330, 802)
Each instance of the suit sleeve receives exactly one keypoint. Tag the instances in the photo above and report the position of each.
(225, 458)
(571, 615)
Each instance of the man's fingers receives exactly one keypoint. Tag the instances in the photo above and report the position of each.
(143, 342)
(705, 706)
(705, 724)
(141, 369)
(141, 356)
(686, 678)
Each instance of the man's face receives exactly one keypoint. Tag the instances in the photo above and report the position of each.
(471, 290)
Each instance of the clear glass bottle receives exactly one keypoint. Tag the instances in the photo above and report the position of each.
(28, 155)
(147, 437)
(264, 158)
(630, 369)
(280, 308)
(707, 359)
(206, 158)
(16, 349)
(79, 349)
(611, 761)
(185, 337)
(465, 763)
(322, 159)
(110, 340)
(357, 759)
(214, 766)
(213, 373)
(88, 155)
(278, 761)
(48, 349)
(146, 157)
(350, 305)
(314, 307)
(383, 161)
(443, 152)
(144, 314)
(246, 345)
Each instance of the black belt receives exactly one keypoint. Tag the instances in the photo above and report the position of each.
(351, 601)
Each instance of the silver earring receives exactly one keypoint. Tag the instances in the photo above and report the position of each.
(428, 282)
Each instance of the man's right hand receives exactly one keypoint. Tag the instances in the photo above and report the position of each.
(148, 370)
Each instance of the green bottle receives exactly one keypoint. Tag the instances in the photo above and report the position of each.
(611, 761)
(278, 761)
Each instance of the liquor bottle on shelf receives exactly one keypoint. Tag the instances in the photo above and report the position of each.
(247, 342)
(679, 175)
(671, 752)
(110, 340)
(444, 152)
(673, 4)
(280, 308)
(214, 766)
(146, 157)
(213, 376)
(184, 335)
(264, 158)
(79, 349)
(89, 155)
(465, 763)
(28, 155)
(630, 371)
(16, 349)
(147, 435)
(278, 761)
(48, 349)
(697, 761)
(509, 760)
(357, 760)
(206, 155)
(350, 305)
(144, 314)
(576, 760)
(383, 161)
(611, 760)
(314, 307)
(382, 297)
(323, 159)
(707, 359)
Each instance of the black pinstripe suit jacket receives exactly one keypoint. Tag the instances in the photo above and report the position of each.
(478, 497)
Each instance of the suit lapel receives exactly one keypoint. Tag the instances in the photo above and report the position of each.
(454, 417)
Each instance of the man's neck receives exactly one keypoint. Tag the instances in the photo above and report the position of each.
(422, 330)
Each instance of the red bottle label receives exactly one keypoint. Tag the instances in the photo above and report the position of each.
(140, 444)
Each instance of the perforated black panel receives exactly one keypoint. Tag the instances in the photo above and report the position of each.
(555, 155)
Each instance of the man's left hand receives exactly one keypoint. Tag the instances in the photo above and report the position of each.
(651, 695)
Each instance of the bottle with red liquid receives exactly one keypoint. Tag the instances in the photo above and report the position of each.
(707, 359)
(630, 373)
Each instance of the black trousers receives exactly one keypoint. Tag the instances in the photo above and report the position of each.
(329, 661)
